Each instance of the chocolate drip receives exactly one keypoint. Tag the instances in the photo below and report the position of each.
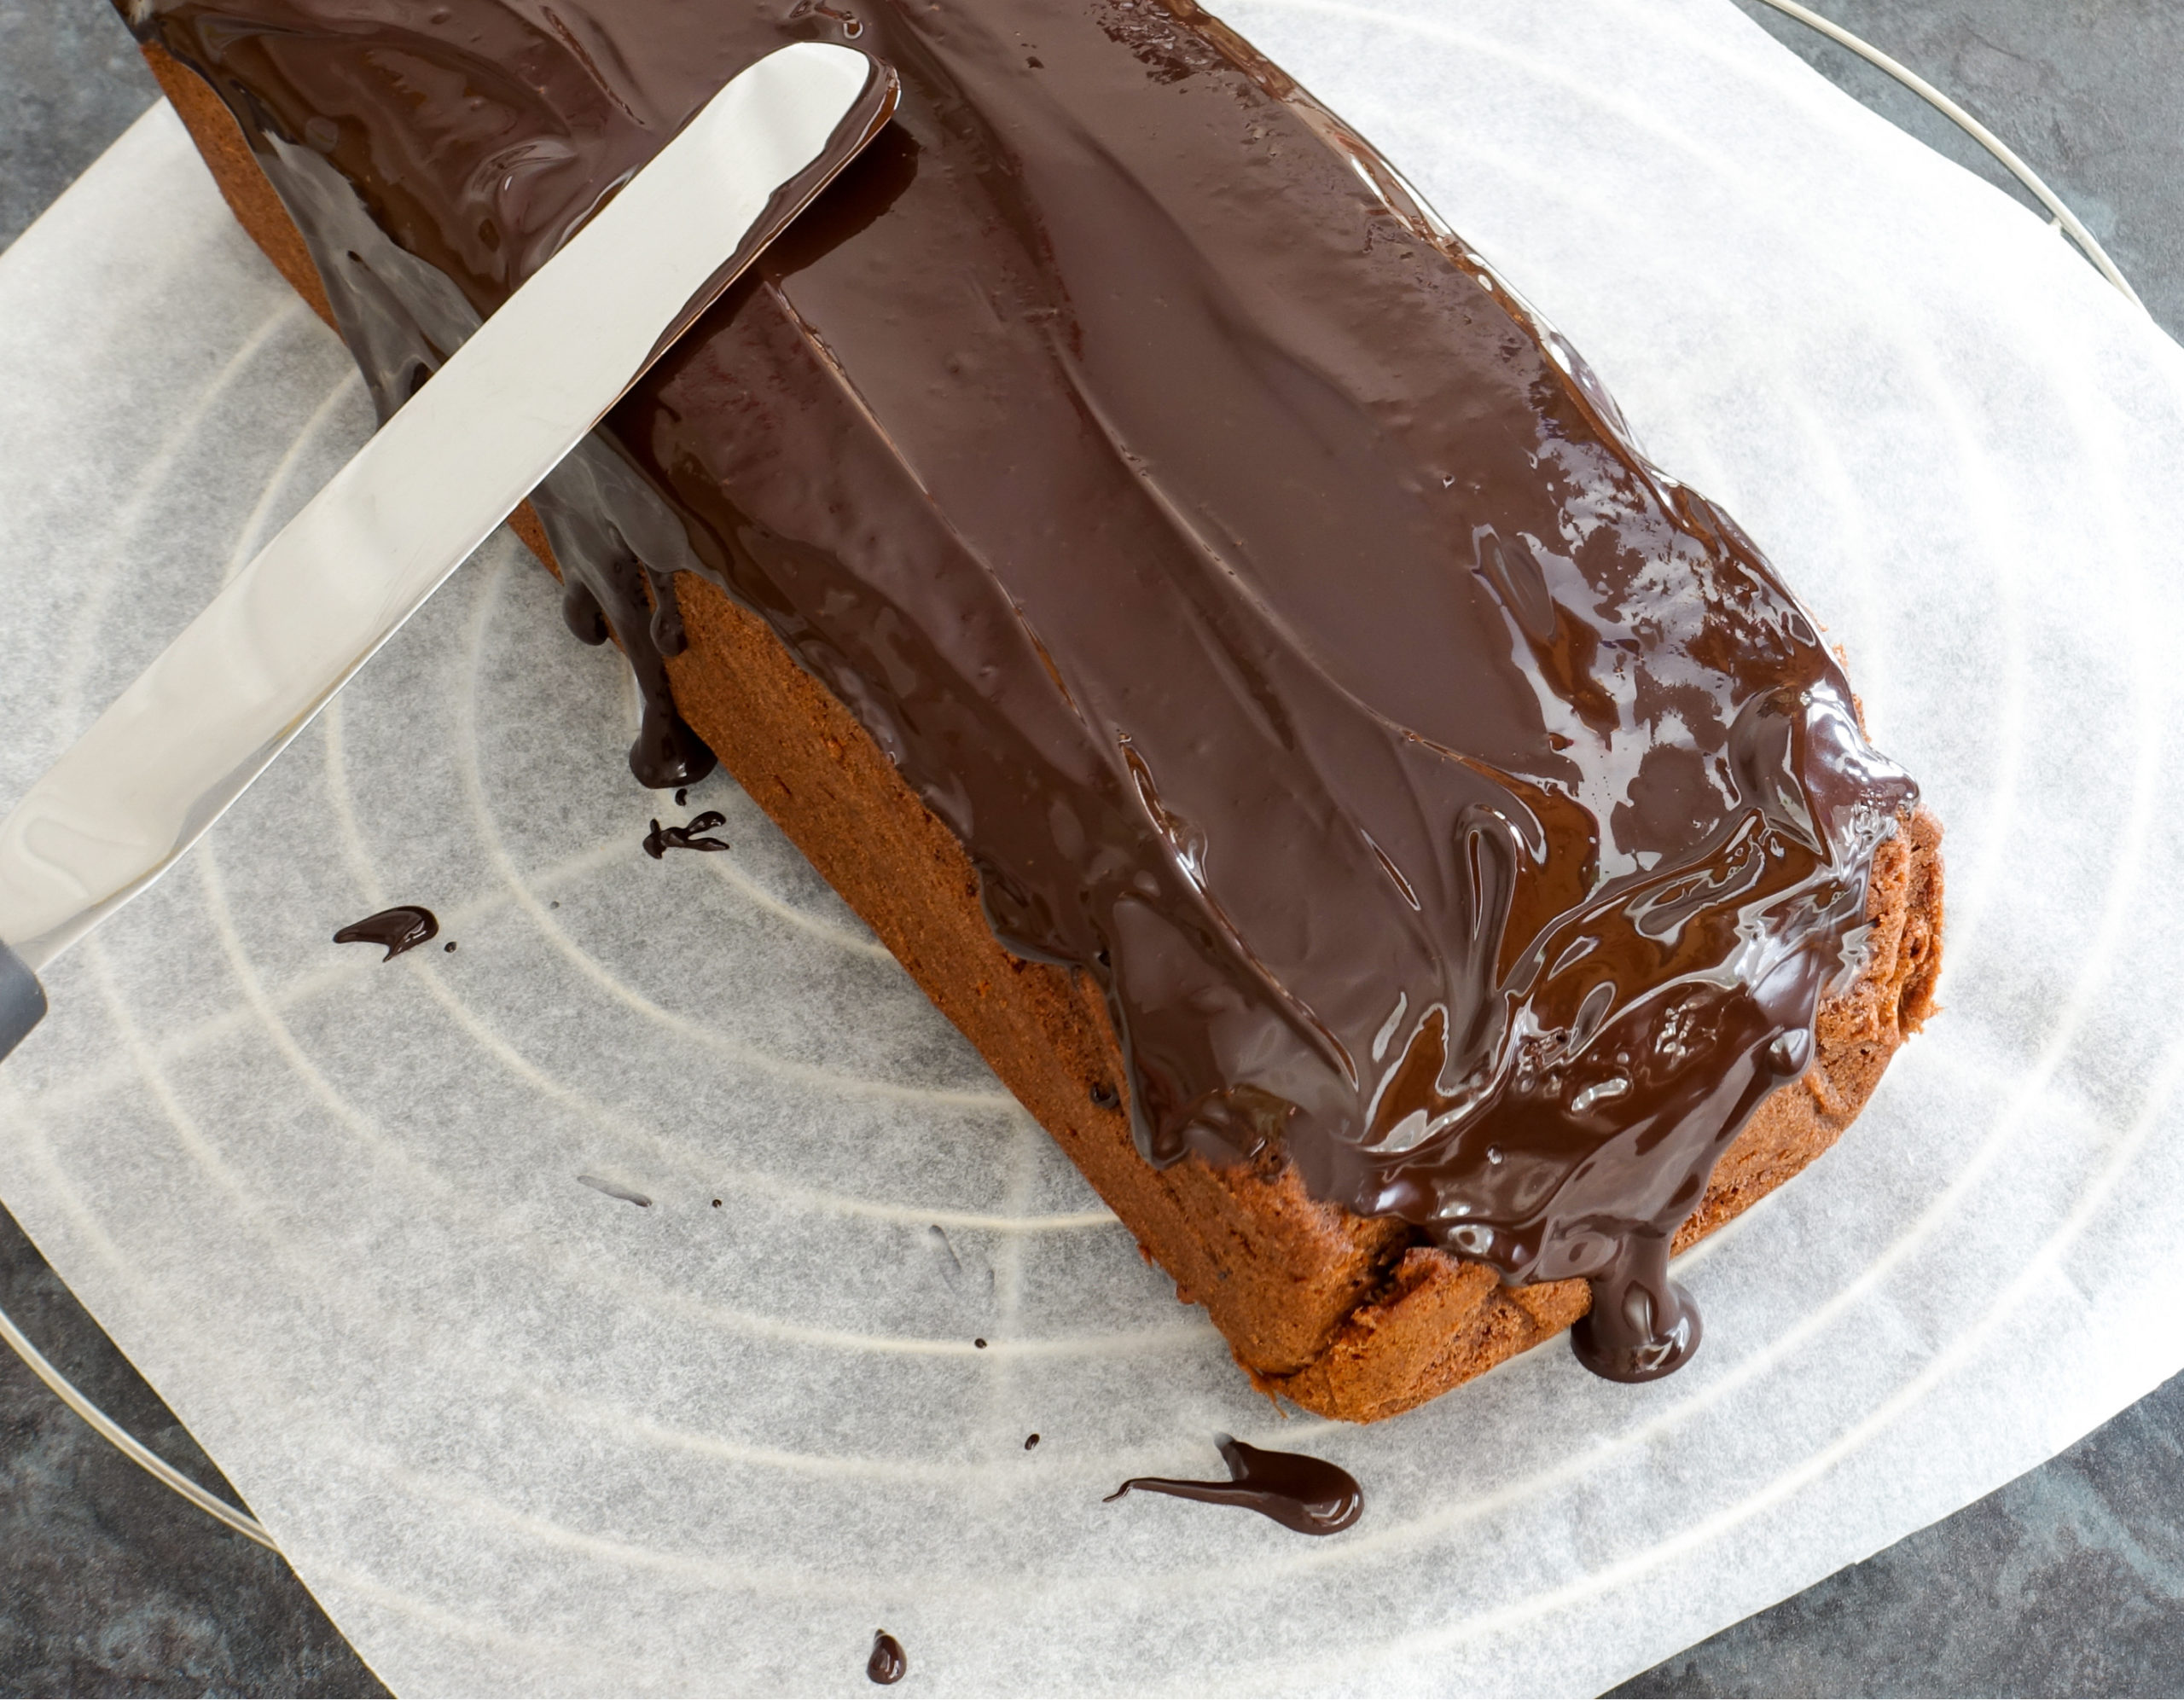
(1642, 1325)
(404, 927)
(615, 595)
(581, 609)
(661, 839)
(1445, 799)
(1308, 1495)
(889, 1663)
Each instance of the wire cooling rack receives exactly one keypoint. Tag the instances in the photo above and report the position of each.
(2060, 217)
(126, 1443)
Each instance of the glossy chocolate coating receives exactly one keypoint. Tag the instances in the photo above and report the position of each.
(1274, 607)
(1308, 1495)
(405, 927)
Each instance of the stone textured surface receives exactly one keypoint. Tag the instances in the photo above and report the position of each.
(69, 82)
(109, 1583)
(2069, 1581)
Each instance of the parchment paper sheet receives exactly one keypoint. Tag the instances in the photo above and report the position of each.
(519, 1433)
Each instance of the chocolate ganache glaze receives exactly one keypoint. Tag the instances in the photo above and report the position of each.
(1276, 607)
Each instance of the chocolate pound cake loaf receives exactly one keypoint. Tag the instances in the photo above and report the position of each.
(1417, 858)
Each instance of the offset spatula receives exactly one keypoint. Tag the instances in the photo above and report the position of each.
(247, 674)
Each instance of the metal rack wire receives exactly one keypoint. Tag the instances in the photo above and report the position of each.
(2060, 216)
(126, 1443)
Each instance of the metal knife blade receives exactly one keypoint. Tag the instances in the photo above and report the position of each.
(181, 744)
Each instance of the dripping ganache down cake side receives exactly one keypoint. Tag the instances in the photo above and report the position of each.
(1416, 857)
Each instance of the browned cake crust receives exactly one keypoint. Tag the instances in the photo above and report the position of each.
(1350, 1317)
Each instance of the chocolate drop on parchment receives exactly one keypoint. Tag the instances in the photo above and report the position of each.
(1308, 1495)
(613, 1191)
(889, 1663)
(581, 610)
(661, 839)
(665, 752)
(1642, 1325)
(405, 927)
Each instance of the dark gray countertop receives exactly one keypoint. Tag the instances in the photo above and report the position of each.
(2069, 1581)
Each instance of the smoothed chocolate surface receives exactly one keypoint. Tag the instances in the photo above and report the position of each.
(1273, 606)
